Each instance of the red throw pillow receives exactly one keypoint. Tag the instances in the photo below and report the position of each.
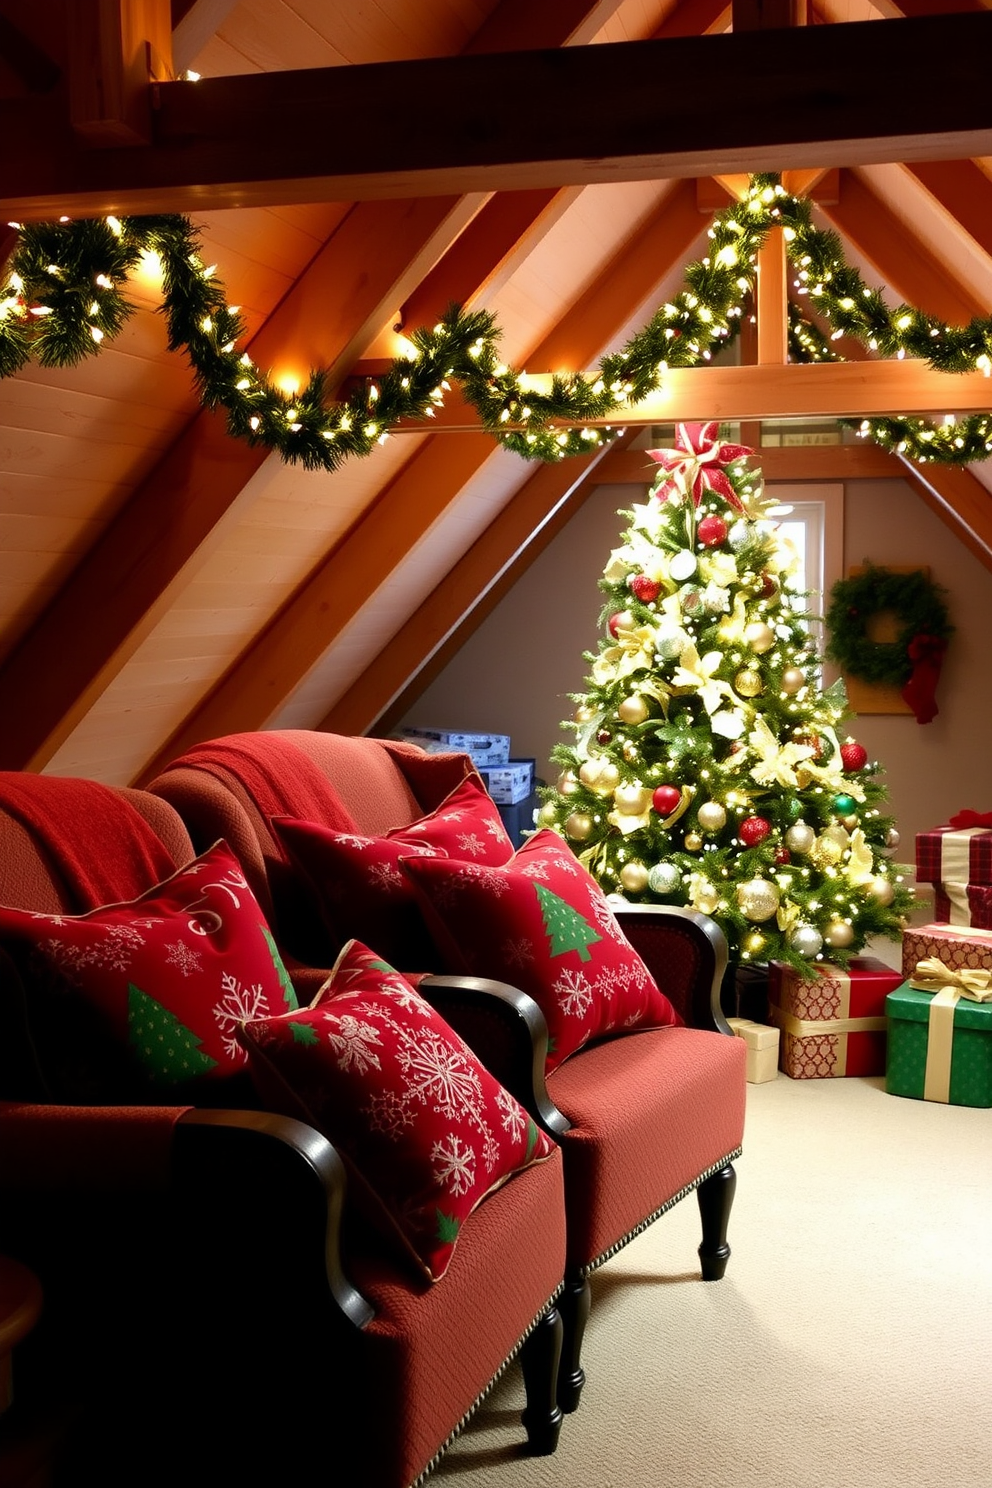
(429, 1131)
(543, 924)
(150, 993)
(360, 887)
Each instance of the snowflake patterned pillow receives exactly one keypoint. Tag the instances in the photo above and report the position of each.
(543, 924)
(360, 888)
(427, 1129)
(146, 997)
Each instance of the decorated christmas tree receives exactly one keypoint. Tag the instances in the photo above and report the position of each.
(710, 766)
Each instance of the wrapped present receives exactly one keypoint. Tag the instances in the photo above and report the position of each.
(940, 1035)
(963, 904)
(833, 1021)
(959, 947)
(954, 855)
(762, 1049)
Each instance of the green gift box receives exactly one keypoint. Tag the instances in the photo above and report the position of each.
(908, 1013)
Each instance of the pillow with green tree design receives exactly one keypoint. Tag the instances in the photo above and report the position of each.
(543, 924)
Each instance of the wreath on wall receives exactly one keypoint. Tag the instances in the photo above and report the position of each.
(913, 660)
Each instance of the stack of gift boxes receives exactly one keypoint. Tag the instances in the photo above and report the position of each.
(928, 1026)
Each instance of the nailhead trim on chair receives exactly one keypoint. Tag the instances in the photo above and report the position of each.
(669, 1204)
(457, 1430)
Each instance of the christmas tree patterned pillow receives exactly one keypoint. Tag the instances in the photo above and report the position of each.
(425, 1127)
(360, 887)
(144, 999)
(543, 924)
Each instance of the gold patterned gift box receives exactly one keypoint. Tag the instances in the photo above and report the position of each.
(832, 1022)
(960, 947)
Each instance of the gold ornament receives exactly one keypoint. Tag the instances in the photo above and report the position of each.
(881, 889)
(634, 876)
(632, 799)
(792, 680)
(754, 943)
(600, 775)
(633, 709)
(579, 826)
(851, 822)
(692, 842)
(829, 847)
(711, 816)
(584, 714)
(800, 837)
(759, 636)
(758, 898)
(838, 933)
(748, 683)
(548, 814)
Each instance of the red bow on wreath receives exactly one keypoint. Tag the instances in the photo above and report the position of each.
(926, 652)
(695, 465)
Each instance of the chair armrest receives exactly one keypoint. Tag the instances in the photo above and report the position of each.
(55, 1158)
(686, 953)
(507, 1030)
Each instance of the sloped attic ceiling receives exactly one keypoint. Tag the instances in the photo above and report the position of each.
(162, 582)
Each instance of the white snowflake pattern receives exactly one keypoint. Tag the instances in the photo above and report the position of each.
(471, 844)
(183, 959)
(605, 919)
(608, 983)
(385, 877)
(52, 919)
(454, 1164)
(114, 950)
(574, 993)
(491, 880)
(353, 1044)
(537, 869)
(512, 1114)
(566, 865)
(496, 829)
(238, 1004)
(347, 839)
(436, 1071)
(519, 953)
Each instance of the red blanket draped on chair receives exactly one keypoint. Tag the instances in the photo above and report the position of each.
(278, 777)
(108, 853)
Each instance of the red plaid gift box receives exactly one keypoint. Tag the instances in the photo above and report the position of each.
(963, 904)
(954, 855)
(833, 1021)
(958, 947)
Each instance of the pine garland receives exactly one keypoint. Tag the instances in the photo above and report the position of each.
(65, 295)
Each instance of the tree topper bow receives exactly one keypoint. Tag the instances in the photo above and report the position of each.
(695, 466)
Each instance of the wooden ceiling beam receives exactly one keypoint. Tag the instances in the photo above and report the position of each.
(806, 463)
(905, 262)
(963, 190)
(813, 96)
(868, 389)
(157, 542)
(961, 501)
(264, 674)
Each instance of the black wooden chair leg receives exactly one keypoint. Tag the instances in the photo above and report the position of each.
(716, 1196)
(540, 1358)
(574, 1306)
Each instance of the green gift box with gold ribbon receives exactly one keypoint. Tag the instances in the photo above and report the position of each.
(940, 1036)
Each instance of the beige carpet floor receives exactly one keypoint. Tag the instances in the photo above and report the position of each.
(849, 1344)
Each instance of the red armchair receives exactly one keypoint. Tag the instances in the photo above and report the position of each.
(215, 1302)
(642, 1120)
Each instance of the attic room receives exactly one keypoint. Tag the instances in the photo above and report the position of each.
(331, 405)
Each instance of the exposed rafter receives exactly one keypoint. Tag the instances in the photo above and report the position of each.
(813, 95)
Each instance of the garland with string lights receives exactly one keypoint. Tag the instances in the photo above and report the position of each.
(64, 297)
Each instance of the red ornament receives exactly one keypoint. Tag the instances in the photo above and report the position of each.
(855, 756)
(604, 736)
(622, 620)
(783, 855)
(712, 531)
(644, 588)
(769, 585)
(666, 798)
(753, 829)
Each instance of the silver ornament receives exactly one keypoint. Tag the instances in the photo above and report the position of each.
(892, 838)
(800, 837)
(738, 535)
(682, 565)
(806, 940)
(664, 878)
